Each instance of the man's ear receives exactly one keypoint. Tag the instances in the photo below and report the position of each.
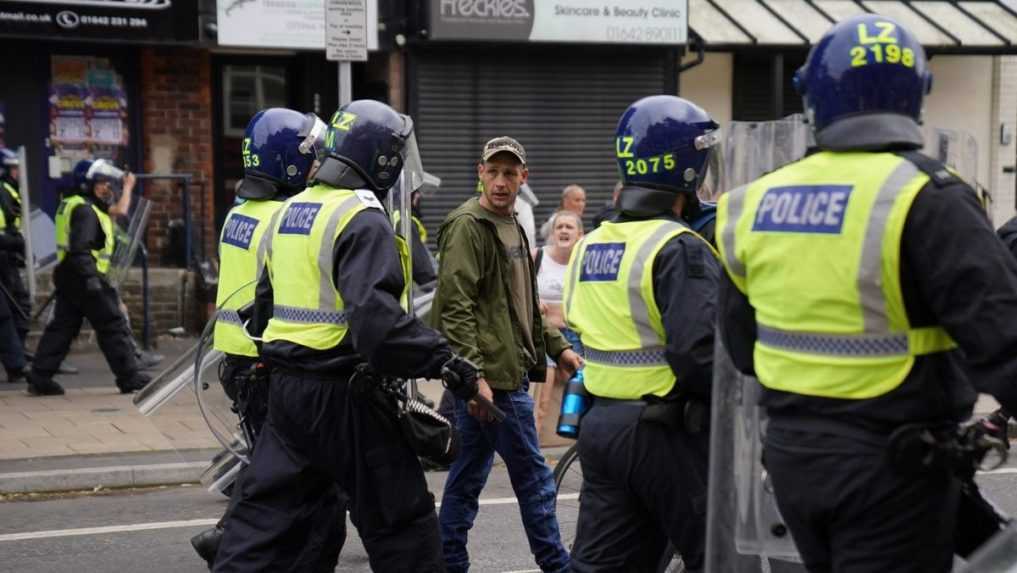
(525, 173)
(480, 168)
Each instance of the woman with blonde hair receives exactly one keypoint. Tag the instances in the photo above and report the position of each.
(549, 263)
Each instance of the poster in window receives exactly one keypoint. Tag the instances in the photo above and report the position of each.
(87, 111)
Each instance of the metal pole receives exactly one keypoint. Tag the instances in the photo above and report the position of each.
(186, 193)
(405, 223)
(146, 321)
(26, 220)
(345, 82)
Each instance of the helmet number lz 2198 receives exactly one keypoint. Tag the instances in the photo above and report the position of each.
(249, 159)
(883, 47)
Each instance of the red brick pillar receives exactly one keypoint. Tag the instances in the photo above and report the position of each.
(176, 116)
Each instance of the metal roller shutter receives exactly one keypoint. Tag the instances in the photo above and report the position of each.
(561, 104)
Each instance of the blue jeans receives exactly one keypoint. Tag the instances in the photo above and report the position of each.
(515, 440)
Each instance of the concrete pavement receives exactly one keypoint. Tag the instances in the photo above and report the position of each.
(95, 437)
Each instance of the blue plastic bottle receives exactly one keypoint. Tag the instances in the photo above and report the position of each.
(573, 405)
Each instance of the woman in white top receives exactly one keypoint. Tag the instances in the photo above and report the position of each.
(550, 262)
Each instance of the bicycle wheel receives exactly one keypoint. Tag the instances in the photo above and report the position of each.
(568, 479)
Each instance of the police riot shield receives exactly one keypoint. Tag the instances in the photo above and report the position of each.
(198, 369)
(753, 148)
(128, 241)
(745, 532)
(957, 149)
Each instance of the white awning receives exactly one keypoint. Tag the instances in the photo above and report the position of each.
(958, 26)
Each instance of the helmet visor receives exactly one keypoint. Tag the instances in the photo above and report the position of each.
(102, 170)
(312, 136)
(413, 176)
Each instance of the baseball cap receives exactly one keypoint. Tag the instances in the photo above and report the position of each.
(504, 143)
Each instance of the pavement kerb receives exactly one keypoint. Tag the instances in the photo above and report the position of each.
(106, 477)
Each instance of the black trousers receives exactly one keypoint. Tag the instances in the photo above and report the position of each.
(328, 533)
(73, 305)
(11, 279)
(319, 435)
(644, 484)
(850, 511)
(12, 351)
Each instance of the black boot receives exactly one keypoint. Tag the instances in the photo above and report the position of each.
(15, 376)
(206, 544)
(43, 386)
(133, 384)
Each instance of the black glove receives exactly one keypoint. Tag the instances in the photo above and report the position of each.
(93, 285)
(459, 375)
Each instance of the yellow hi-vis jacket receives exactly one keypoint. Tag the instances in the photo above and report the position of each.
(815, 247)
(307, 308)
(608, 300)
(242, 256)
(63, 232)
(15, 200)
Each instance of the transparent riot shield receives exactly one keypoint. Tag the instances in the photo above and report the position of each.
(753, 148)
(957, 149)
(745, 532)
(128, 241)
(198, 368)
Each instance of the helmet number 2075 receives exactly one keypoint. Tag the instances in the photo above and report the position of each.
(650, 164)
(882, 46)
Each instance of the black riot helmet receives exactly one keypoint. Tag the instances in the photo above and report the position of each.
(366, 146)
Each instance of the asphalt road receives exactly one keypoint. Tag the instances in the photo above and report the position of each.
(149, 530)
(112, 537)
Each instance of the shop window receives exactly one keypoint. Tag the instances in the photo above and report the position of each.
(247, 89)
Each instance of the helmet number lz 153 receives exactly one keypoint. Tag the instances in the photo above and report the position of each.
(250, 160)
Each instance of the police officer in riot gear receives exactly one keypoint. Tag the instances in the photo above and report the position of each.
(14, 301)
(334, 290)
(84, 233)
(641, 292)
(278, 152)
(867, 292)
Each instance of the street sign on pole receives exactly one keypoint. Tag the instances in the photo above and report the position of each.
(346, 30)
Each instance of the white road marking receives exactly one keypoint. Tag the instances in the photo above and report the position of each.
(107, 529)
(47, 534)
(999, 471)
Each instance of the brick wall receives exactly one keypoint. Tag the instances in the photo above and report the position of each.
(176, 111)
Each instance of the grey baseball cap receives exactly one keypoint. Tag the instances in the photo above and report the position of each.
(504, 143)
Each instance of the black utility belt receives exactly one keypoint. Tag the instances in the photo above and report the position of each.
(689, 415)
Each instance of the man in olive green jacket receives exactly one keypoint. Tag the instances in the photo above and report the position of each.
(486, 305)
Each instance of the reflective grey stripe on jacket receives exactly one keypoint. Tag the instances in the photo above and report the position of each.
(229, 316)
(735, 206)
(834, 344)
(638, 306)
(642, 357)
(307, 315)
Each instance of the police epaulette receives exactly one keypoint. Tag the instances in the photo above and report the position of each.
(940, 175)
